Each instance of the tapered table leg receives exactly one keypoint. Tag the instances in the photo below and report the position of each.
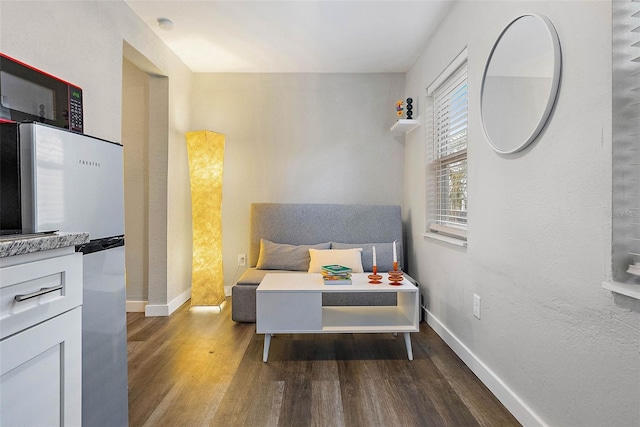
(407, 341)
(267, 342)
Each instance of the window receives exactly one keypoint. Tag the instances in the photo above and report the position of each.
(449, 146)
(626, 143)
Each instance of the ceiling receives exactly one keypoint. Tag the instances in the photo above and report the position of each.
(298, 36)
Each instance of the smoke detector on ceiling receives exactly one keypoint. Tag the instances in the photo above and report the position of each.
(165, 24)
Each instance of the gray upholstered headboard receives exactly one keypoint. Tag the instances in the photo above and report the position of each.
(306, 224)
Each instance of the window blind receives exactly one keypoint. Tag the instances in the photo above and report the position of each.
(450, 153)
(626, 140)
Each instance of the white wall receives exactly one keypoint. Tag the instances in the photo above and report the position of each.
(300, 138)
(539, 232)
(82, 42)
(290, 138)
(135, 141)
(539, 221)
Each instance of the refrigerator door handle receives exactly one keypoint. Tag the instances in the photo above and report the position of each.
(114, 242)
(100, 245)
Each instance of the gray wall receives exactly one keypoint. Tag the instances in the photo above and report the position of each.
(539, 232)
(314, 138)
(539, 221)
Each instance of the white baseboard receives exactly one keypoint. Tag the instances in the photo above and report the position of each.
(155, 310)
(523, 413)
(227, 291)
(136, 306)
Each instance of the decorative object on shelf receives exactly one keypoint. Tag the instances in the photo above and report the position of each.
(407, 123)
(399, 108)
(409, 108)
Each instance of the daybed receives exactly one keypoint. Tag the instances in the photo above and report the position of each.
(281, 235)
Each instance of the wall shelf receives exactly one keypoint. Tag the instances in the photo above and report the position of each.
(405, 125)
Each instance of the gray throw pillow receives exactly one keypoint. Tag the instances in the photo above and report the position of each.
(384, 254)
(281, 256)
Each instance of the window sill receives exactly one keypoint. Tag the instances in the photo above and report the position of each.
(629, 290)
(446, 239)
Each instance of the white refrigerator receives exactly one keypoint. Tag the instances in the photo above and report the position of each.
(77, 185)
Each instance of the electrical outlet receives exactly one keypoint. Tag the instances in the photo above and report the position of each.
(476, 306)
(242, 260)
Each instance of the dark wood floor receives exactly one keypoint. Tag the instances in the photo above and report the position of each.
(199, 368)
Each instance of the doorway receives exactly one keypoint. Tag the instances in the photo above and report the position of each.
(145, 142)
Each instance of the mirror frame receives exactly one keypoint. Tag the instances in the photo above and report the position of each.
(553, 93)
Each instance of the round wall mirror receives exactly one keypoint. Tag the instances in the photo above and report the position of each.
(520, 83)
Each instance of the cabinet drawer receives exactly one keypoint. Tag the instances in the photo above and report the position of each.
(45, 288)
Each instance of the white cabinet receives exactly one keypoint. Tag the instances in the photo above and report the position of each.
(40, 374)
(41, 339)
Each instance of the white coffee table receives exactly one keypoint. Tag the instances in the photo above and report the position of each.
(289, 303)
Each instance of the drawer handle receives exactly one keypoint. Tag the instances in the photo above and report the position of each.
(42, 291)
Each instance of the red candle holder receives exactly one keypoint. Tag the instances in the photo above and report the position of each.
(395, 276)
(375, 278)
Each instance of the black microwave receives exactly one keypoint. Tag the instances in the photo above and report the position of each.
(28, 94)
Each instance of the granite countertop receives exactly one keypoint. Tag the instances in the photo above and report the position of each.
(28, 243)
